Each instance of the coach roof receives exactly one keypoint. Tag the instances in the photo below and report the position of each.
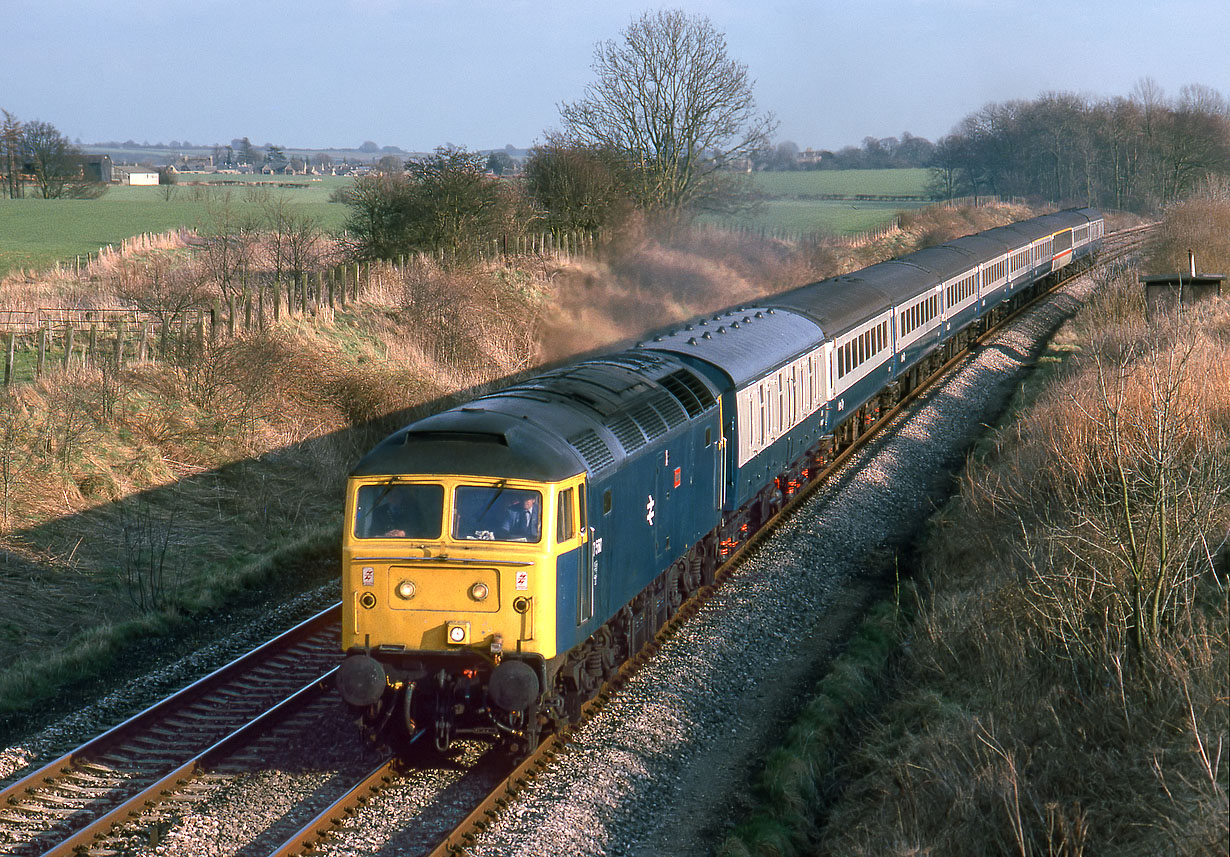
(744, 343)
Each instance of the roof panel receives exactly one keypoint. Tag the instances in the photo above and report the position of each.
(744, 343)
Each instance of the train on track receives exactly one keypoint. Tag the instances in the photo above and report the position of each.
(503, 558)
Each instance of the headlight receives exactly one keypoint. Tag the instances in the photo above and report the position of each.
(479, 592)
(405, 589)
(458, 632)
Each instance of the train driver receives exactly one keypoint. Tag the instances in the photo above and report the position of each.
(522, 521)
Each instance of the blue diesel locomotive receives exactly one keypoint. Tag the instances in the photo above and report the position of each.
(503, 558)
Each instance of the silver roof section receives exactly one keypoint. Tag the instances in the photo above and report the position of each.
(744, 343)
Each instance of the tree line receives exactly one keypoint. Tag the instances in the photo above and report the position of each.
(1135, 153)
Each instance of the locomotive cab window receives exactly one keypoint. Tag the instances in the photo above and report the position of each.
(502, 514)
(399, 512)
(565, 520)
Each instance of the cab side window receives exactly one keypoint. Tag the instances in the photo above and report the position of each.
(566, 521)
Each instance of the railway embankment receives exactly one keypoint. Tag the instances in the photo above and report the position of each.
(1061, 686)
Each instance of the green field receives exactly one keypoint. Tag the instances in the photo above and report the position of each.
(37, 233)
(847, 182)
(792, 204)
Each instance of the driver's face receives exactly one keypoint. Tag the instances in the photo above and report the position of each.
(528, 503)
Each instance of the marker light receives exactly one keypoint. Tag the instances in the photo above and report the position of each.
(458, 632)
(405, 589)
(479, 592)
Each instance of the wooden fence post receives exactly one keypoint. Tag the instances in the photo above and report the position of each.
(93, 352)
(11, 355)
(119, 345)
(42, 352)
(68, 345)
(230, 315)
(143, 345)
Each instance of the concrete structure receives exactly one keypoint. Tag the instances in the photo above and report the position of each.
(1167, 294)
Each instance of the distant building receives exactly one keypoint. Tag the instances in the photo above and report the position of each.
(808, 157)
(97, 168)
(134, 175)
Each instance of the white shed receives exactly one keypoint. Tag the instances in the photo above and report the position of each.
(143, 177)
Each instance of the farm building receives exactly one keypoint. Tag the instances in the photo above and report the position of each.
(97, 169)
(132, 175)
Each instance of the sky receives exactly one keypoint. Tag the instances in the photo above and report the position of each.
(419, 74)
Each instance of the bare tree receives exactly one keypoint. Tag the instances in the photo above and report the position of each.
(55, 163)
(228, 235)
(670, 97)
(1142, 477)
(580, 188)
(294, 242)
(10, 155)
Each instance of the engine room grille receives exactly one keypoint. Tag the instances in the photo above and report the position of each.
(669, 408)
(686, 382)
(649, 420)
(593, 449)
(627, 432)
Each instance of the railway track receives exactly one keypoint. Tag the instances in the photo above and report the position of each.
(202, 733)
(69, 804)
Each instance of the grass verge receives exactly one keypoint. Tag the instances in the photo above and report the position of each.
(798, 775)
(101, 655)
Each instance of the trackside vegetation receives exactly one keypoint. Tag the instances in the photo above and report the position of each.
(1062, 686)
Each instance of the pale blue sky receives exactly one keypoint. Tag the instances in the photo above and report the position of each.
(479, 73)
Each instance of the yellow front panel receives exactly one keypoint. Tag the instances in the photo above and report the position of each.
(442, 588)
(443, 572)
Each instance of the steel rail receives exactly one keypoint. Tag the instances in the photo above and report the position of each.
(29, 788)
(161, 790)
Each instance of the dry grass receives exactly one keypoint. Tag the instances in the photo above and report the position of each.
(1198, 225)
(649, 281)
(1065, 692)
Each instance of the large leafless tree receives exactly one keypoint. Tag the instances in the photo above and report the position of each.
(669, 96)
(55, 163)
